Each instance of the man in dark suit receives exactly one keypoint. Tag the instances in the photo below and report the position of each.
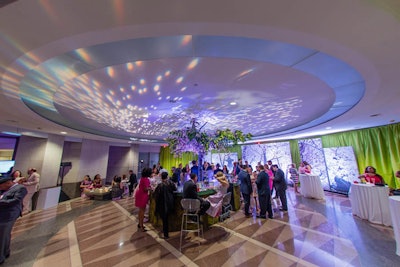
(264, 193)
(195, 168)
(177, 173)
(190, 191)
(280, 186)
(132, 181)
(11, 196)
(218, 169)
(246, 189)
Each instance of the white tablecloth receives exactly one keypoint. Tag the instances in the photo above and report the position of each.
(371, 202)
(394, 205)
(310, 186)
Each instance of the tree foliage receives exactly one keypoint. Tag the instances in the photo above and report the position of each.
(195, 139)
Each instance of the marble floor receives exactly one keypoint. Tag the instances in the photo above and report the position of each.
(313, 232)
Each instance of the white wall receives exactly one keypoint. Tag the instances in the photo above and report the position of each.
(86, 157)
(51, 161)
(118, 162)
(72, 153)
(30, 154)
(93, 158)
(149, 148)
(44, 154)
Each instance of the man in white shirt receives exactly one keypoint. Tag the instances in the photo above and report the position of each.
(32, 186)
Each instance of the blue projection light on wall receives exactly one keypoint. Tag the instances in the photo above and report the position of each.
(342, 168)
(311, 151)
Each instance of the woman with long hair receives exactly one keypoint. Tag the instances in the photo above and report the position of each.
(142, 195)
(371, 176)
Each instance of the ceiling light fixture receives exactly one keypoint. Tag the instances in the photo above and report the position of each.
(11, 133)
(233, 103)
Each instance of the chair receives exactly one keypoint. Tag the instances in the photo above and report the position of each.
(190, 218)
(226, 207)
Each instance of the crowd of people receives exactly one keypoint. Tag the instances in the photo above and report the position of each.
(19, 194)
(120, 186)
(157, 180)
(258, 187)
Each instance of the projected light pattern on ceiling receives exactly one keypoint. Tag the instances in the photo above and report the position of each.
(144, 88)
(132, 108)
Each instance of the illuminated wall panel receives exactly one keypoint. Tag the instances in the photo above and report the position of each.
(311, 151)
(342, 168)
(279, 153)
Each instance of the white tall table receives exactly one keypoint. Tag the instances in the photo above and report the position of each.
(370, 202)
(394, 205)
(310, 186)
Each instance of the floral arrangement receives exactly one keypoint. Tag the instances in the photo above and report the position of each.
(194, 139)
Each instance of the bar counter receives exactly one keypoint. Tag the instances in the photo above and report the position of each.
(175, 219)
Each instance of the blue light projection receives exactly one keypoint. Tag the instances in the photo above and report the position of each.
(143, 88)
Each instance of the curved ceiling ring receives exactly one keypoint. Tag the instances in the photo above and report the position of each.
(38, 87)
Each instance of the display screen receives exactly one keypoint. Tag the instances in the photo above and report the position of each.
(6, 165)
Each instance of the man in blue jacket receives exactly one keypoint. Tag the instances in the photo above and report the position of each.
(11, 196)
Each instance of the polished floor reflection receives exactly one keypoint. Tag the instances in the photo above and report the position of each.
(104, 233)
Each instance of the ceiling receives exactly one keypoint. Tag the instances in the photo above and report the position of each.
(132, 71)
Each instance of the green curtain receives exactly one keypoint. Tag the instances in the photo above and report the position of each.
(168, 160)
(294, 151)
(377, 147)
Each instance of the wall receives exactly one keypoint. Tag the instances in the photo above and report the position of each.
(118, 162)
(30, 154)
(72, 153)
(93, 158)
(44, 154)
(51, 161)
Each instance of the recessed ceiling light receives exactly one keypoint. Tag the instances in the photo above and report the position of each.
(232, 103)
(63, 132)
(375, 115)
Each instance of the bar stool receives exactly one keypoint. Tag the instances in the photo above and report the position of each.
(226, 207)
(190, 218)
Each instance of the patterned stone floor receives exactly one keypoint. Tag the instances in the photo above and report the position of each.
(103, 233)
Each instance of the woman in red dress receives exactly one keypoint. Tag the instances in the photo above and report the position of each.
(142, 195)
(371, 176)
